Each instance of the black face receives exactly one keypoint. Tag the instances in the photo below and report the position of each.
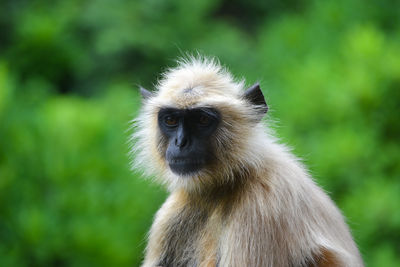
(188, 132)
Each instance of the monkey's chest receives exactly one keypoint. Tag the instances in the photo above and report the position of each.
(189, 240)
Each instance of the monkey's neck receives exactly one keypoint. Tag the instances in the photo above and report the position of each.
(218, 194)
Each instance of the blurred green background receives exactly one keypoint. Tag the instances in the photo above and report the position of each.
(69, 72)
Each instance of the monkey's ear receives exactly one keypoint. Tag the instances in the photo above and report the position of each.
(146, 94)
(255, 96)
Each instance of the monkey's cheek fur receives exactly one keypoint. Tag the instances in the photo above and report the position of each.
(186, 167)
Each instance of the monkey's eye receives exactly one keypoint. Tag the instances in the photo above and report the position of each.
(170, 121)
(204, 120)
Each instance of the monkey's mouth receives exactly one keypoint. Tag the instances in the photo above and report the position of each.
(185, 166)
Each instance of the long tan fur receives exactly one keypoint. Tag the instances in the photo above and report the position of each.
(255, 205)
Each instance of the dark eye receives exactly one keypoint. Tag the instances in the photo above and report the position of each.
(204, 120)
(170, 121)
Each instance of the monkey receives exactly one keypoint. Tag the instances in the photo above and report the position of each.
(237, 196)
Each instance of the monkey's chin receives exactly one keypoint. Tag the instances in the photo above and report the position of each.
(186, 167)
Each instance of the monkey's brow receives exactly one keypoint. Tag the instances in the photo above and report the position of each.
(208, 110)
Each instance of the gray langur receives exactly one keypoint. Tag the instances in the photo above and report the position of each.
(237, 198)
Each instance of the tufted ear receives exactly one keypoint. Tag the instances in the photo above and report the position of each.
(146, 94)
(255, 96)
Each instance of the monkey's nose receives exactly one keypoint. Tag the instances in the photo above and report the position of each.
(181, 142)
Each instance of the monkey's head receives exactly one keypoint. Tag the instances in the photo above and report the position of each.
(199, 128)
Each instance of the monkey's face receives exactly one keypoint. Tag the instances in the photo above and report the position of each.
(188, 133)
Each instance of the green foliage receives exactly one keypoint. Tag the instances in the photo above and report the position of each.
(68, 76)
